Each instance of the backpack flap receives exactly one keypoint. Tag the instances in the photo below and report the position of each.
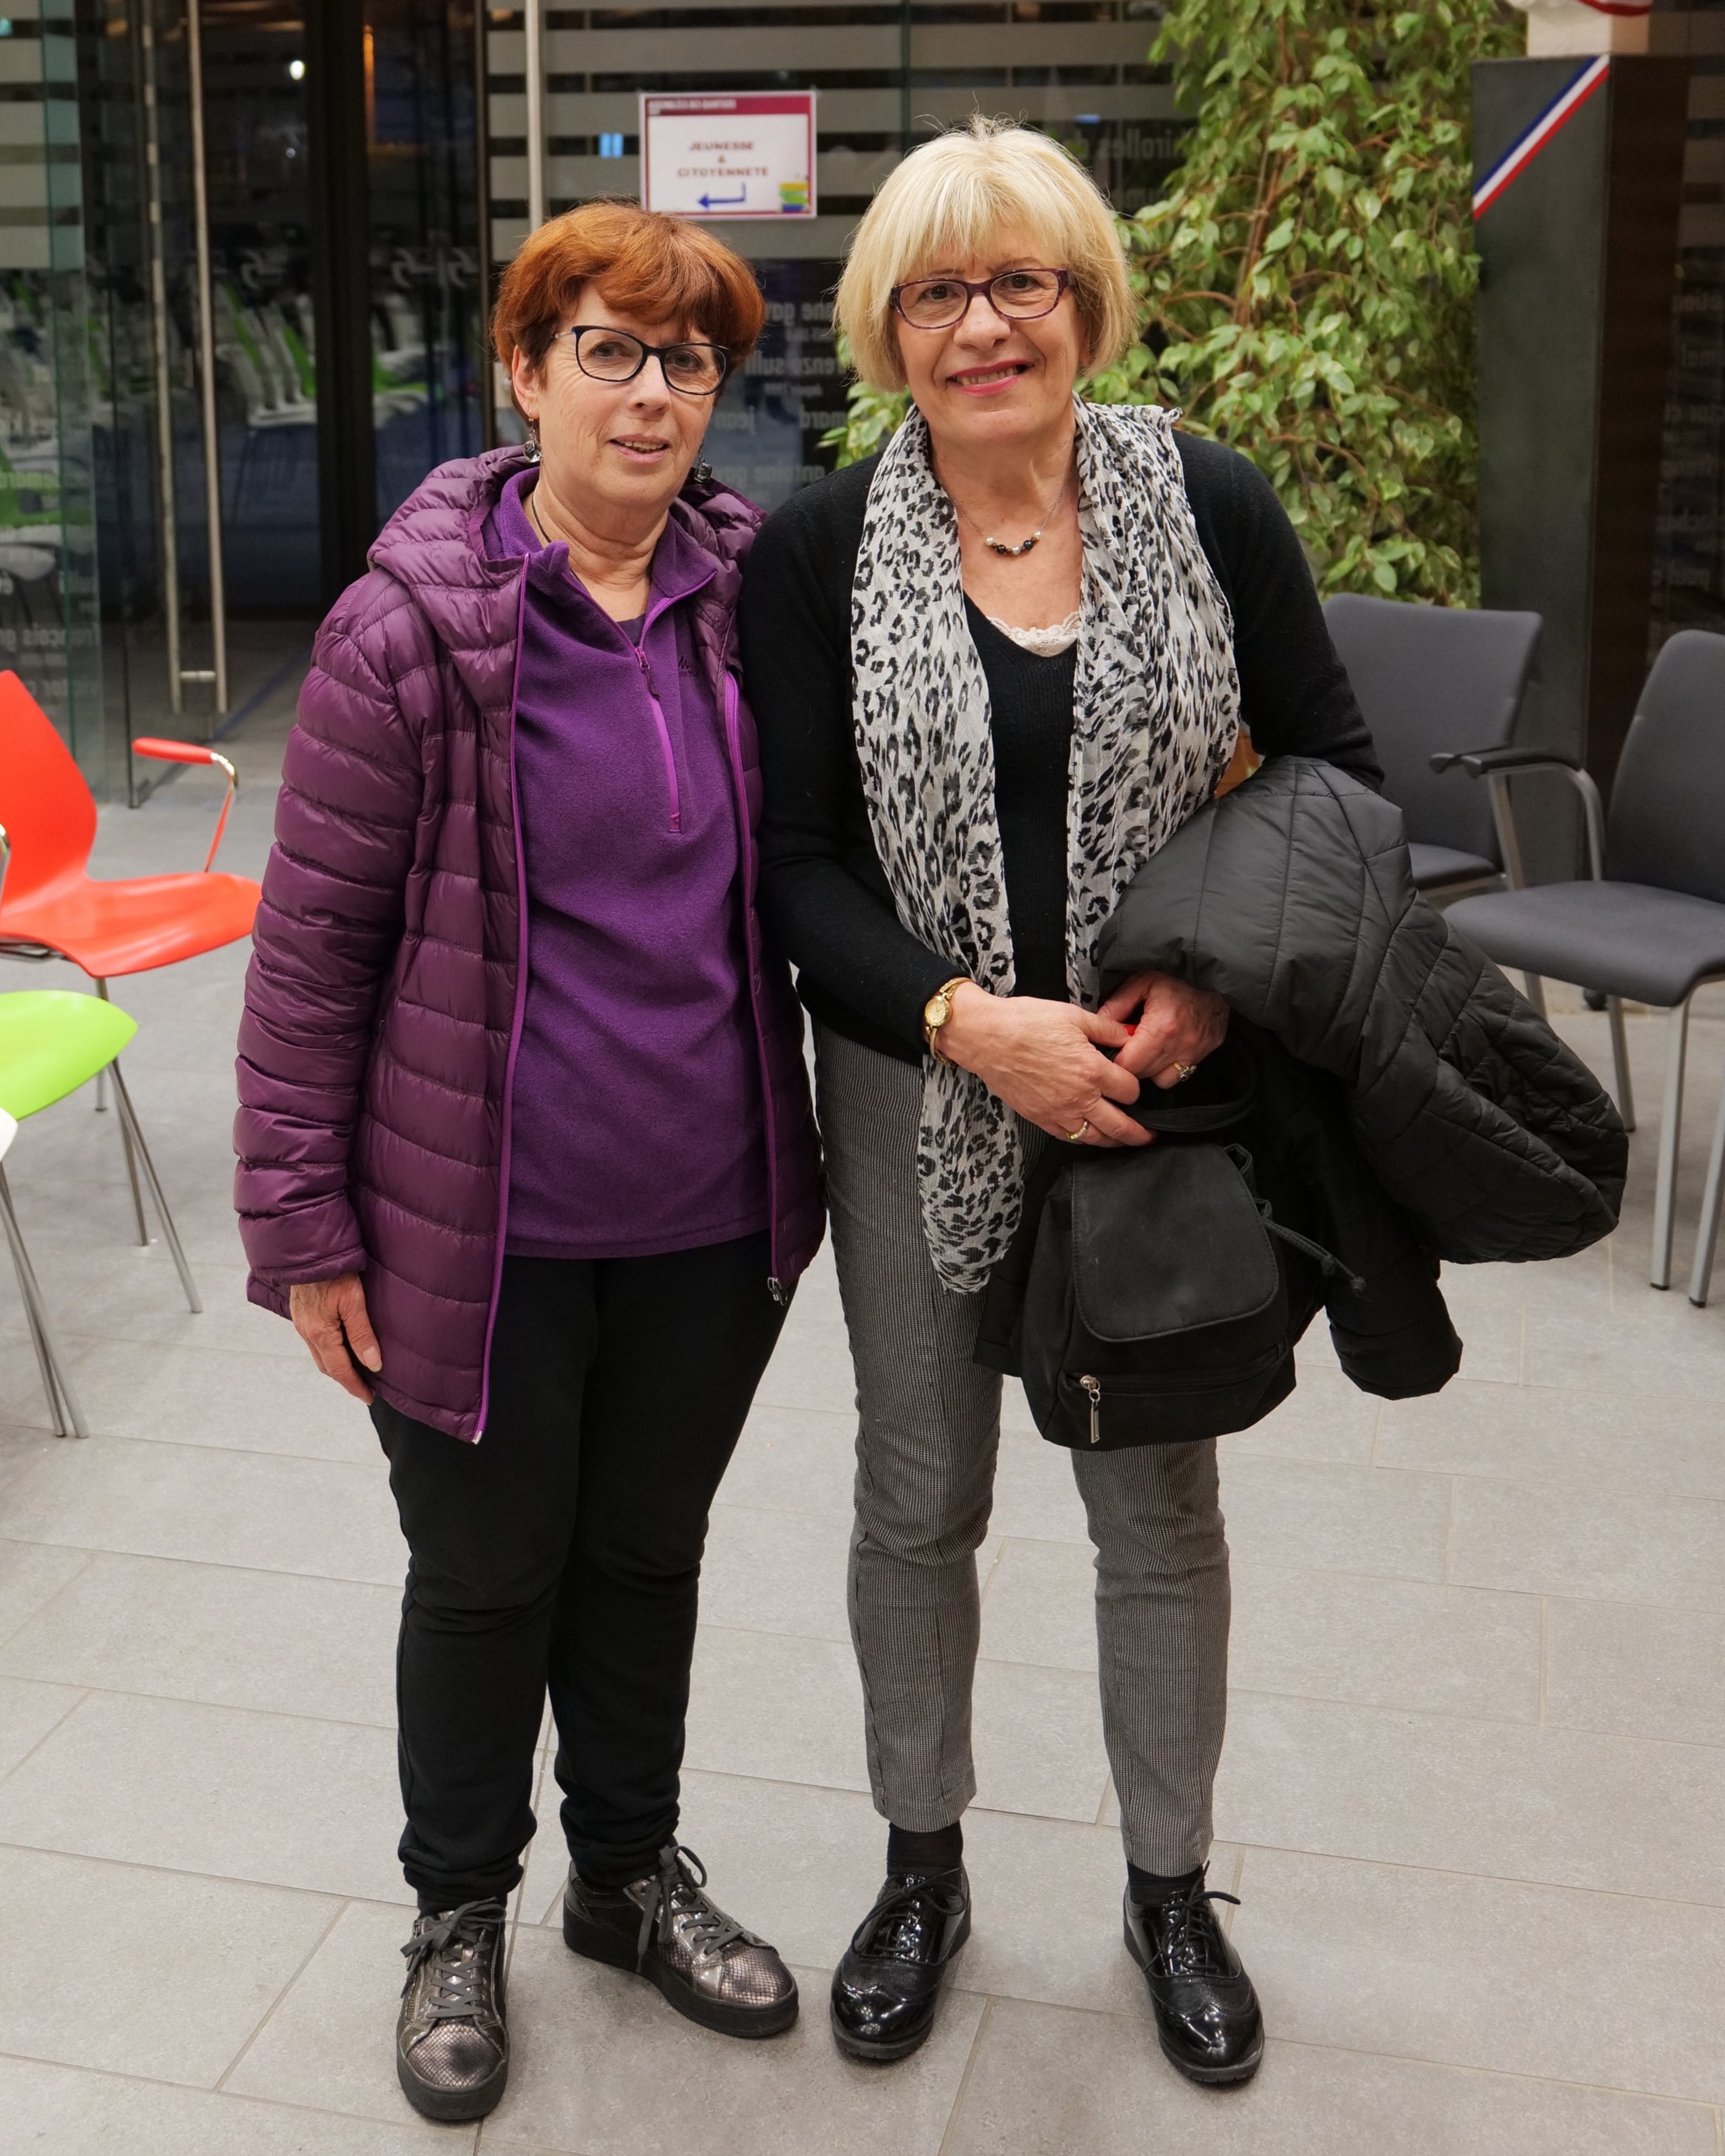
(1168, 1239)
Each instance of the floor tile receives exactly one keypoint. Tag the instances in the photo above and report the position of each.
(1324, 1418)
(603, 2067)
(1449, 1958)
(794, 1459)
(1589, 1544)
(291, 1645)
(1052, 2083)
(29, 1438)
(31, 1575)
(1385, 1642)
(1040, 1605)
(1564, 1807)
(28, 1713)
(775, 1707)
(1675, 1349)
(265, 1797)
(63, 2111)
(327, 1517)
(1579, 1440)
(201, 1394)
(217, 1953)
(775, 1572)
(1037, 1735)
(1342, 1519)
(1634, 1672)
(330, 2044)
(1035, 1493)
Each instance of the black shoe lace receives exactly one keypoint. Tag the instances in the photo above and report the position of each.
(897, 1924)
(454, 1942)
(1192, 1943)
(676, 1889)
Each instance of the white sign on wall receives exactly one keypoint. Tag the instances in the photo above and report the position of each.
(752, 155)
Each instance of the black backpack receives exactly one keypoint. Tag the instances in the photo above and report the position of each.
(1146, 1298)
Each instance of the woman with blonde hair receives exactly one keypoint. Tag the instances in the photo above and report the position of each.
(995, 668)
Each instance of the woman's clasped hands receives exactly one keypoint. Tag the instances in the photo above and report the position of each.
(1073, 1072)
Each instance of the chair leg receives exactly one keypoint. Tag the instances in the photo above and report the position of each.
(128, 1123)
(1535, 990)
(131, 1166)
(62, 1400)
(1713, 1196)
(1619, 1057)
(1677, 1050)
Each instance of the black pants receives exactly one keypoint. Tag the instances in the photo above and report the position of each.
(564, 1549)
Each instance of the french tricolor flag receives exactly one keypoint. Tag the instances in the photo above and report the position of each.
(1557, 114)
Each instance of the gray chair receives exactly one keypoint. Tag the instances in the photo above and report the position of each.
(1650, 924)
(1430, 678)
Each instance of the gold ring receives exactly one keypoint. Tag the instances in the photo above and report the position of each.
(1183, 1072)
(1073, 1137)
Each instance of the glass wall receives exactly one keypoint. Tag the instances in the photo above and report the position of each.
(887, 76)
(50, 617)
(428, 371)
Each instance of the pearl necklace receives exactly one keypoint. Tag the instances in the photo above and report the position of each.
(1023, 547)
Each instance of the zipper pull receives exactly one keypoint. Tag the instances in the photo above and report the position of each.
(778, 1289)
(1093, 1393)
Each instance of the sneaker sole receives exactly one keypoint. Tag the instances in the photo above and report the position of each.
(595, 1943)
(452, 2107)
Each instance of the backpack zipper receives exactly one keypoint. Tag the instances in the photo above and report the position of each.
(1093, 1392)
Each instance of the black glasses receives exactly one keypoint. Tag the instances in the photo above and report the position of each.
(936, 303)
(692, 370)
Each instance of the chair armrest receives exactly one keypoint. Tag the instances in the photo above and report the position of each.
(1496, 765)
(179, 751)
(1481, 762)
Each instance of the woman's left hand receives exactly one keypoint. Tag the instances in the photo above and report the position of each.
(1176, 1025)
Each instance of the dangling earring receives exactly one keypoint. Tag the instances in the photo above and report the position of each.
(702, 473)
(532, 442)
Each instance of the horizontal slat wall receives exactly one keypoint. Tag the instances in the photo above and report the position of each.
(1048, 73)
(1079, 68)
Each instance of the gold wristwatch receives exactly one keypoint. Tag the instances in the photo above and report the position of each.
(938, 1009)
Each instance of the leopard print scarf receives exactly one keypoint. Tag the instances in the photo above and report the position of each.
(1156, 711)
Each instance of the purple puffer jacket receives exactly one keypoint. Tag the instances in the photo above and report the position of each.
(383, 1003)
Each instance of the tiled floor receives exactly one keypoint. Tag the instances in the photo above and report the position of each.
(1472, 1797)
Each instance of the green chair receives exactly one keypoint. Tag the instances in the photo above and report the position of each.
(52, 1041)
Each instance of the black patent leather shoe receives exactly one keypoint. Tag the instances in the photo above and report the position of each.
(1207, 2013)
(887, 1987)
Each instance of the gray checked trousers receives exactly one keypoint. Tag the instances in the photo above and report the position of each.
(928, 1433)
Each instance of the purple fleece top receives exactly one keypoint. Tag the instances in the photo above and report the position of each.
(637, 1123)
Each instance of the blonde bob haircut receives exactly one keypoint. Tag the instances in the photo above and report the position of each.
(959, 196)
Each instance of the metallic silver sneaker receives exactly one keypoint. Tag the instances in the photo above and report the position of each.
(451, 2042)
(667, 1929)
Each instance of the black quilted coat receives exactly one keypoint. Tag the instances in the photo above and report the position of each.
(1450, 1119)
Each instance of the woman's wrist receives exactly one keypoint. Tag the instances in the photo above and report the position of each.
(970, 1026)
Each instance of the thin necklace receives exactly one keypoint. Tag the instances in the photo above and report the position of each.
(1023, 545)
(545, 539)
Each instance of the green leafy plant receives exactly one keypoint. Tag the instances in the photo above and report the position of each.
(1306, 285)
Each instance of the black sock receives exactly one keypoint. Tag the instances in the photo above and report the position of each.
(943, 1850)
(1147, 1887)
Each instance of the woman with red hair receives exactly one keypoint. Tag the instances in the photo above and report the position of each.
(526, 1146)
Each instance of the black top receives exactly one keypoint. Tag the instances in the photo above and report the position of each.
(822, 890)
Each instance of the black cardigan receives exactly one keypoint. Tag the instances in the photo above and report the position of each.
(822, 890)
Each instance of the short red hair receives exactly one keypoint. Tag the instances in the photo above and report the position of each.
(641, 262)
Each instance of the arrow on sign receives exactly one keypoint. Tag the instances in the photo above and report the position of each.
(719, 201)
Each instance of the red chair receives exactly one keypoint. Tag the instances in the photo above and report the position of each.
(53, 908)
